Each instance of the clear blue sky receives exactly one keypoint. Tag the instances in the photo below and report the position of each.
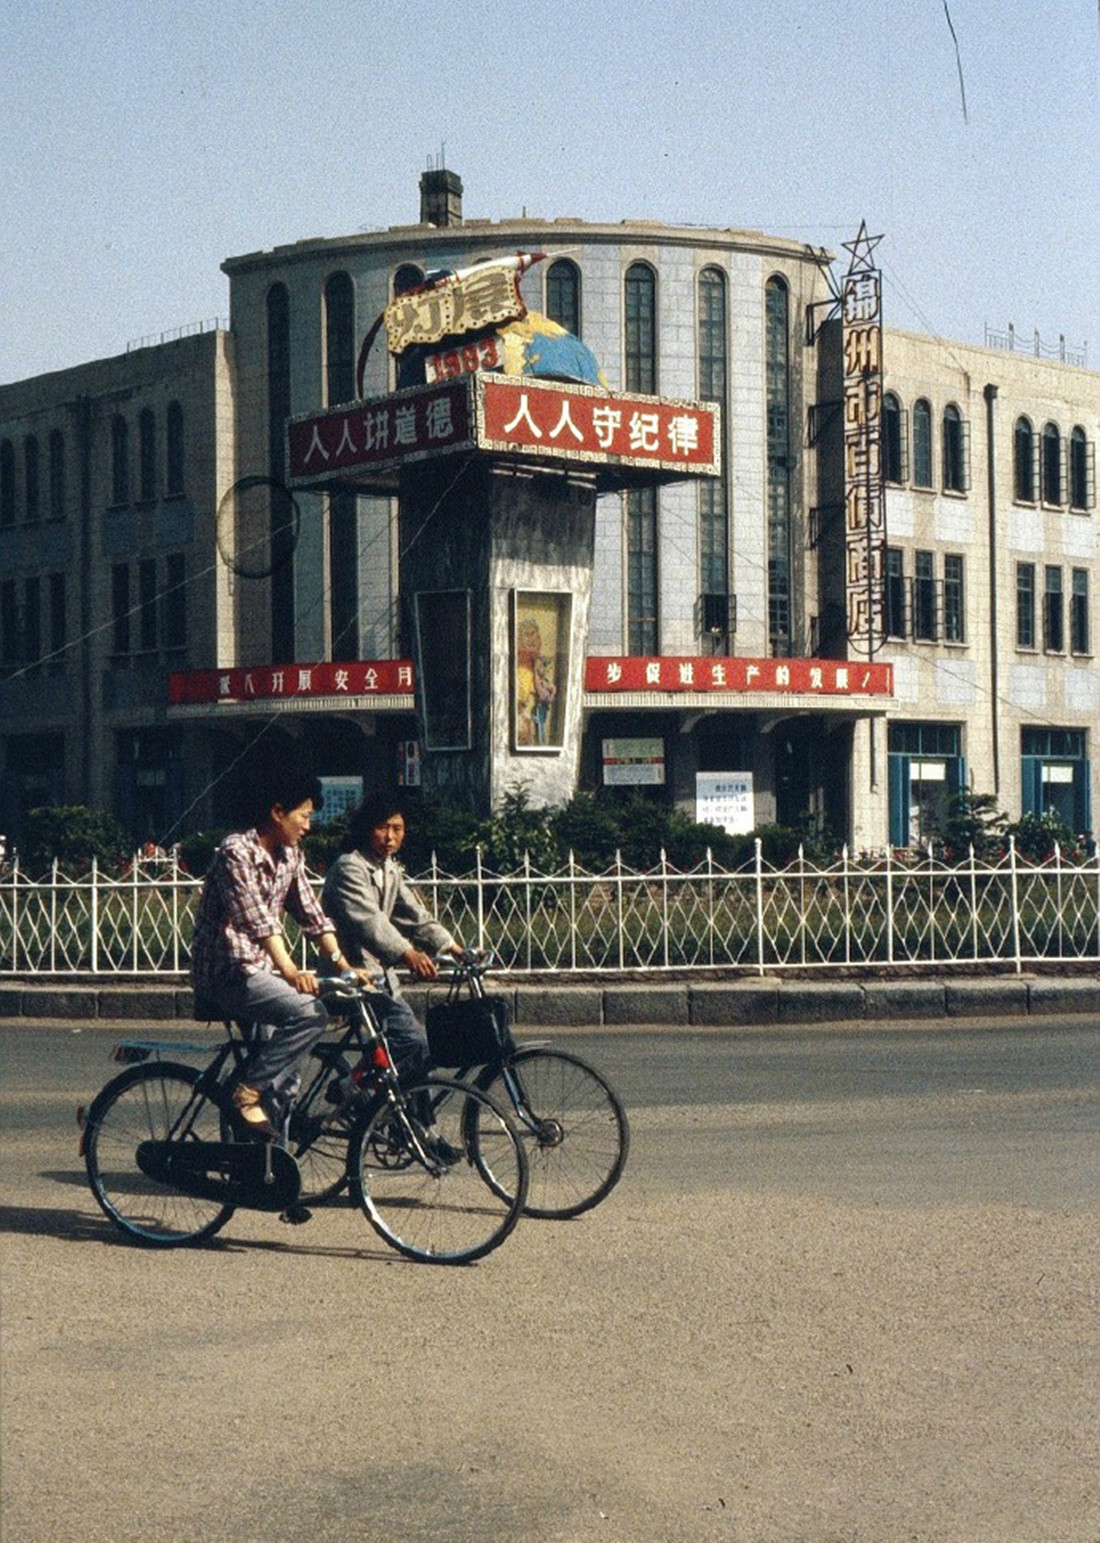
(142, 142)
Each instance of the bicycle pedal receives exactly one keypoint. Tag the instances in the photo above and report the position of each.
(295, 1215)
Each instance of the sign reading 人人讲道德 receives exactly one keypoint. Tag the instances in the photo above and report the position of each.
(620, 435)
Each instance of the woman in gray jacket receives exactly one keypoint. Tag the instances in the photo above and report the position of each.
(381, 924)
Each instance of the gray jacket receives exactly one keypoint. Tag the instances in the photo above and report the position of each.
(377, 913)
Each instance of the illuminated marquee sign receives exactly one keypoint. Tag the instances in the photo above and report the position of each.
(367, 443)
(820, 677)
(864, 491)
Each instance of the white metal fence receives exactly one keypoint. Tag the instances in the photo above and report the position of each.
(888, 912)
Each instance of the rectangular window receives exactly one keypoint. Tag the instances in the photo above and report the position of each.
(1025, 605)
(174, 602)
(1054, 627)
(9, 624)
(641, 525)
(954, 599)
(58, 618)
(895, 592)
(120, 607)
(924, 598)
(32, 620)
(1079, 612)
(926, 770)
(1055, 776)
(147, 604)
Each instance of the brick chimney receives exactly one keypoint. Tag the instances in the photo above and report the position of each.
(440, 198)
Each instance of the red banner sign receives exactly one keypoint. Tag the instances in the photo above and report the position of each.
(279, 682)
(820, 677)
(394, 677)
(586, 424)
(381, 432)
(366, 443)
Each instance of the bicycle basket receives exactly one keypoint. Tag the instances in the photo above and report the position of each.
(468, 1032)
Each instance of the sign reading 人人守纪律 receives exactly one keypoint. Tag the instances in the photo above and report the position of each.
(370, 441)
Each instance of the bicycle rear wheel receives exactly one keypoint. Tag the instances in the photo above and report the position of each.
(155, 1102)
(572, 1125)
(437, 1211)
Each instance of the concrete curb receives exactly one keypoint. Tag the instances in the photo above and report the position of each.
(662, 1004)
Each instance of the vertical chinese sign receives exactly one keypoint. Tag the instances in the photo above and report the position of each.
(864, 492)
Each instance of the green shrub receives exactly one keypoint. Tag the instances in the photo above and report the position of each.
(1036, 836)
(73, 835)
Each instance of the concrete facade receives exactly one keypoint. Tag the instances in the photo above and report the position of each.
(85, 719)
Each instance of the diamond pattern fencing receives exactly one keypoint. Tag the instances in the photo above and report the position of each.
(888, 912)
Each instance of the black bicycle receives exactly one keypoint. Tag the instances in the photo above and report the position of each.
(569, 1118)
(168, 1163)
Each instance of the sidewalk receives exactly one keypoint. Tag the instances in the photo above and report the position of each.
(550, 1002)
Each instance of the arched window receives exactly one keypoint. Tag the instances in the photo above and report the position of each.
(922, 444)
(640, 339)
(777, 379)
(57, 475)
(563, 295)
(339, 339)
(407, 277)
(147, 455)
(7, 483)
(1052, 464)
(174, 447)
(32, 481)
(714, 554)
(120, 461)
(1023, 462)
(1082, 476)
(640, 361)
(954, 451)
(281, 532)
(893, 439)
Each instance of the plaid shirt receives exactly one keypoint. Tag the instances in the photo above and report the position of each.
(242, 902)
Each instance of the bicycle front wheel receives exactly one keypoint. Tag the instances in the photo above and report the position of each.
(432, 1201)
(572, 1125)
(155, 1102)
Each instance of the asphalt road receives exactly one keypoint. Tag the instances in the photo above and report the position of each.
(845, 1293)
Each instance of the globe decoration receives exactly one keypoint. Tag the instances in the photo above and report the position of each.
(459, 321)
(538, 346)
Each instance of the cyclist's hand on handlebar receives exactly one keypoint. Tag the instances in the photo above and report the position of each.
(421, 964)
(304, 981)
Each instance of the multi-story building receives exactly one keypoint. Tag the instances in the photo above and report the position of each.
(117, 480)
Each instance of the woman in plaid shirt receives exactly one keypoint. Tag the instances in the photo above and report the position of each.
(240, 964)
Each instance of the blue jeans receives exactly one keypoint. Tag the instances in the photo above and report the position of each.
(288, 1025)
(408, 1044)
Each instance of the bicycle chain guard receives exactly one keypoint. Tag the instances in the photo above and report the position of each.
(257, 1177)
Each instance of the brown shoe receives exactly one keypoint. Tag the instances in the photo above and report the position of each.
(246, 1101)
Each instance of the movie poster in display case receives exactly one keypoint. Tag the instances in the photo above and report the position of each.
(541, 621)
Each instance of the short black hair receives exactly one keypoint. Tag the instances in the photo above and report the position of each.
(375, 809)
(283, 782)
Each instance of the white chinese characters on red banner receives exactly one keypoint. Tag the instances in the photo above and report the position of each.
(395, 677)
(379, 431)
(825, 677)
(592, 425)
(277, 682)
(501, 414)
